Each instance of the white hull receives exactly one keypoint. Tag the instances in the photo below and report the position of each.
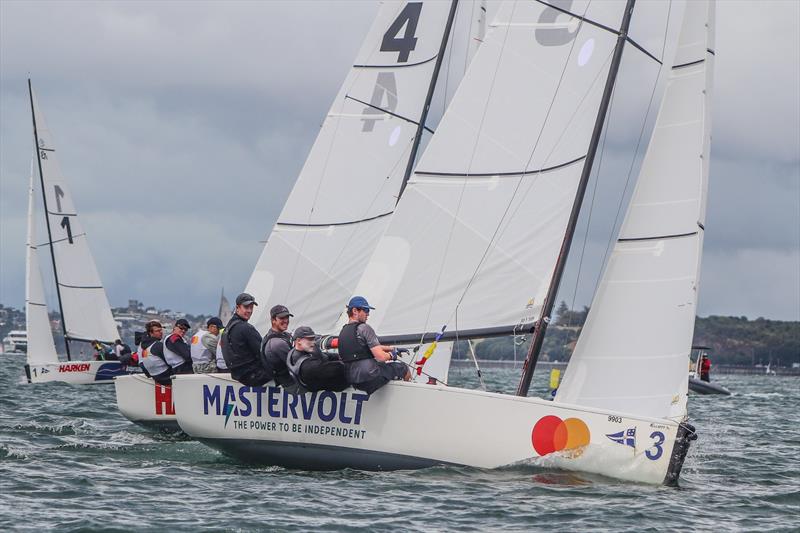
(408, 425)
(77, 372)
(143, 401)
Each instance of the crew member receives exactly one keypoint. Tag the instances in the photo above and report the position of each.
(705, 369)
(150, 354)
(123, 352)
(312, 369)
(221, 366)
(153, 331)
(176, 351)
(241, 346)
(204, 347)
(369, 365)
(276, 345)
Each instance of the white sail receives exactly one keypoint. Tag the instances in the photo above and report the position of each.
(474, 241)
(225, 312)
(341, 202)
(633, 351)
(87, 314)
(41, 348)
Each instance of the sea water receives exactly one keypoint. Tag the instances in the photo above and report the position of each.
(69, 460)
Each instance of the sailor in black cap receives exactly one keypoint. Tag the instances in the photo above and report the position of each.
(176, 350)
(276, 345)
(241, 345)
(369, 365)
(311, 369)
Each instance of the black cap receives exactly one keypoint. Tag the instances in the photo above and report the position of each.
(182, 323)
(279, 311)
(214, 321)
(245, 299)
(304, 332)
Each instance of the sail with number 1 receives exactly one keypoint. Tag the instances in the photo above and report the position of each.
(479, 241)
(83, 304)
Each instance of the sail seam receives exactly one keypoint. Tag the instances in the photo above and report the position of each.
(321, 225)
(81, 286)
(401, 117)
(48, 149)
(34, 303)
(397, 65)
(689, 64)
(56, 213)
(659, 237)
(491, 174)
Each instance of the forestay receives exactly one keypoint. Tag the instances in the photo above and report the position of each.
(348, 187)
(632, 354)
(41, 348)
(475, 238)
(87, 314)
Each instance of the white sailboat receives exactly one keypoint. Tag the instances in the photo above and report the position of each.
(489, 203)
(85, 312)
(342, 201)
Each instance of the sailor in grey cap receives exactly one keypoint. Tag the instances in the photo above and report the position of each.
(277, 343)
(241, 346)
(311, 369)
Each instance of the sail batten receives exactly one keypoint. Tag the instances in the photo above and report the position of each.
(646, 303)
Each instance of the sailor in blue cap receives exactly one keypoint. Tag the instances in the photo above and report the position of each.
(369, 365)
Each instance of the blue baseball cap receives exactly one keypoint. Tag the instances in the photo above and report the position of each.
(359, 302)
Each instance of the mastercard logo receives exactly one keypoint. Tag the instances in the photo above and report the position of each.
(551, 434)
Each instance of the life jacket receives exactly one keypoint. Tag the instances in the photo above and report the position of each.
(220, 359)
(350, 349)
(277, 364)
(154, 362)
(294, 361)
(201, 354)
(174, 360)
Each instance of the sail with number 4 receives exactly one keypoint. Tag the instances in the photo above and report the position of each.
(632, 353)
(41, 347)
(350, 183)
(86, 313)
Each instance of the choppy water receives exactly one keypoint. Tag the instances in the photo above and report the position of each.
(69, 460)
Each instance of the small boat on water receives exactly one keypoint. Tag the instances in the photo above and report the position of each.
(696, 383)
(85, 313)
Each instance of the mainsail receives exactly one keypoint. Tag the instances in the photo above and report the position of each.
(473, 243)
(632, 354)
(41, 348)
(348, 187)
(86, 314)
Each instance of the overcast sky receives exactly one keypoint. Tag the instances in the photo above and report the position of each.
(181, 127)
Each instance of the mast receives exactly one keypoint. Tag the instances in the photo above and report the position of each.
(429, 97)
(47, 219)
(541, 325)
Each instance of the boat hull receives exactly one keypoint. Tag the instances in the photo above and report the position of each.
(143, 401)
(77, 372)
(408, 426)
(704, 387)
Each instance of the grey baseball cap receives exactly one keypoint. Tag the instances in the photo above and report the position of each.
(245, 299)
(304, 332)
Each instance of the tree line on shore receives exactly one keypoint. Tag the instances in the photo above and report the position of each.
(732, 340)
